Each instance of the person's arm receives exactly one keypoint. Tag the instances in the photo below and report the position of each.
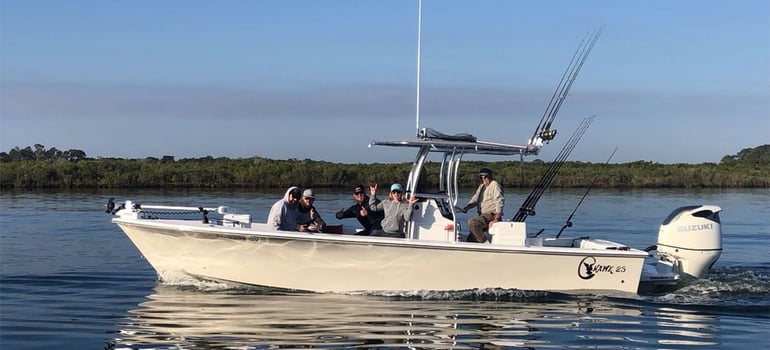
(274, 218)
(278, 219)
(474, 200)
(409, 207)
(375, 204)
(347, 213)
(316, 217)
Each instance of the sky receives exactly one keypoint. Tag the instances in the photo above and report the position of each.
(669, 81)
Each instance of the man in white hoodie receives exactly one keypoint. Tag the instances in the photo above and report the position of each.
(283, 215)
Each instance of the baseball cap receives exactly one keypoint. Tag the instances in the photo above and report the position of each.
(485, 172)
(396, 187)
(358, 189)
(308, 193)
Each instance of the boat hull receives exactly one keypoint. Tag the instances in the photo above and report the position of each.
(343, 263)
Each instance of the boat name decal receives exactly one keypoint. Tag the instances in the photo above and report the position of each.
(588, 268)
(699, 227)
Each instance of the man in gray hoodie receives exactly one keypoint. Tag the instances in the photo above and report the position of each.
(283, 215)
(397, 211)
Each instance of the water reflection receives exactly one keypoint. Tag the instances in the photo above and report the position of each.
(187, 317)
(686, 328)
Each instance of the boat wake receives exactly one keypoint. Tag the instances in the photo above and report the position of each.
(730, 290)
(733, 281)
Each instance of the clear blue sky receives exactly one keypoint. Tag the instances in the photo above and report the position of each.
(669, 81)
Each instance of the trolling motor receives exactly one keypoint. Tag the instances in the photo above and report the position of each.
(111, 209)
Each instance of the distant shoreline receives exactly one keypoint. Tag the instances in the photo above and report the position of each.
(268, 173)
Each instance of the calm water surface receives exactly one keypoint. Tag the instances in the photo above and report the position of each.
(71, 279)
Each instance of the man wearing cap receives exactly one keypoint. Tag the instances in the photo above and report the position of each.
(489, 202)
(397, 211)
(360, 210)
(283, 214)
(308, 219)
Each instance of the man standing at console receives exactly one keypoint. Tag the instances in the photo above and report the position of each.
(489, 202)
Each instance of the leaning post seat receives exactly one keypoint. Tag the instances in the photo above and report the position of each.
(509, 233)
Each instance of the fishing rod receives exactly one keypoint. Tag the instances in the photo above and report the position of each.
(543, 130)
(545, 182)
(568, 223)
(528, 207)
(576, 70)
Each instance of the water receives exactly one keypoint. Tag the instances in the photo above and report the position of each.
(71, 279)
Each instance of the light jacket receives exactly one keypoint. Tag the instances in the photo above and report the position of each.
(491, 201)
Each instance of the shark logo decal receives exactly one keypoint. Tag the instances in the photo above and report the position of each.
(586, 268)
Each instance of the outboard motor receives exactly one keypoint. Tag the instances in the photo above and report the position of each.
(692, 236)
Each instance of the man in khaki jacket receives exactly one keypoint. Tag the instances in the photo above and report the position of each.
(489, 202)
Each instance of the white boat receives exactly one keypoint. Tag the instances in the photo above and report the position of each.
(225, 245)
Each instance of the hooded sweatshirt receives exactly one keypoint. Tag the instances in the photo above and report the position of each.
(282, 215)
(396, 213)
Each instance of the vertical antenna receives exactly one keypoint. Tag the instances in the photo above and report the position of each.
(419, 35)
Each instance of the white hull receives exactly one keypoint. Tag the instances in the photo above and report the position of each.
(344, 263)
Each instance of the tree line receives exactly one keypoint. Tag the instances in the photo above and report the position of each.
(39, 152)
(50, 168)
